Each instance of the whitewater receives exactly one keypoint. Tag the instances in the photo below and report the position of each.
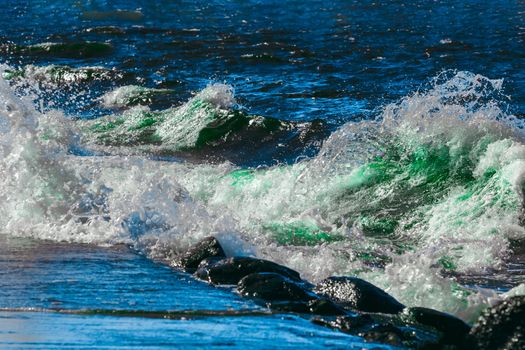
(425, 199)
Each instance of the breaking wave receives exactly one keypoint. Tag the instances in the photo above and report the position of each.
(430, 190)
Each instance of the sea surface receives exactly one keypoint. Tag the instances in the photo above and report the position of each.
(384, 140)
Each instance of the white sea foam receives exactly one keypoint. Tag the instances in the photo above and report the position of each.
(129, 95)
(435, 183)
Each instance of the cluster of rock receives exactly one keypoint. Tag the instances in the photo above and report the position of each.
(355, 306)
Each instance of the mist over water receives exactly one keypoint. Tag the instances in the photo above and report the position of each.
(332, 138)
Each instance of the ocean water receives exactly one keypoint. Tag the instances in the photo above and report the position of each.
(379, 140)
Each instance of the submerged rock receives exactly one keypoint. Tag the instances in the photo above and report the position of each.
(208, 262)
(207, 248)
(500, 327)
(298, 307)
(454, 329)
(232, 270)
(358, 294)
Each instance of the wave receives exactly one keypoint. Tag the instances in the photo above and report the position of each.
(131, 95)
(209, 119)
(55, 74)
(432, 188)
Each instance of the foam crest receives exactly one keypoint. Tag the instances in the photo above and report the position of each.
(206, 117)
(129, 95)
(434, 185)
(55, 75)
(183, 127)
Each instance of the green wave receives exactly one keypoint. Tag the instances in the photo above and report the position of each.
(204, 119)
(434, 176)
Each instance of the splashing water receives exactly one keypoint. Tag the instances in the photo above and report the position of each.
(430, 189)
(56, 75)
(206, 117)
(129, 95)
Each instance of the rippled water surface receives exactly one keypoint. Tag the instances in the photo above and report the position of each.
(67, 296)
(383, 140)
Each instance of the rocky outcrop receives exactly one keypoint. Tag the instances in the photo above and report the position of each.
(355, 306)
(231, 270)
(205, 249)
(280, 293)
(271, 286)
(500, 327)
(357, 294)
(453, 329)
(385, 329)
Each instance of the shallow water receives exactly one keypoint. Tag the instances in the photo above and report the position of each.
(349, 138)
(38, 330)
(67, 295)
(51, 275)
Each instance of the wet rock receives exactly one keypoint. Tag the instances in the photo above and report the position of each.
(316, 307)
(271, 286)
(385, 334)
(352, 324)
(500, 327)
(454, 329)
(232, 270)
(358, 294)
(289, 306)
(206, 263)
(325, 307)
(207, 248)
(383, 328)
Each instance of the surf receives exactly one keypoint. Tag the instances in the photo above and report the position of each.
(428, 190)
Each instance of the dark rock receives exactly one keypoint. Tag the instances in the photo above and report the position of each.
(500, 327)
(325, 307)
(454, 329)
(299, 307)
(358, 294)
(207, 248)
(385, 334)
(387, 329)
(316, 307)
(206, 263)
(232, 270)
(352, 324)
(271, 286)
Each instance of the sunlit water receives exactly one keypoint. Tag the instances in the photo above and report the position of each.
(336, 138)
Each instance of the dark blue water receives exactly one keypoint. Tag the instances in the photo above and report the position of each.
(298, 61)
(295, 60)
